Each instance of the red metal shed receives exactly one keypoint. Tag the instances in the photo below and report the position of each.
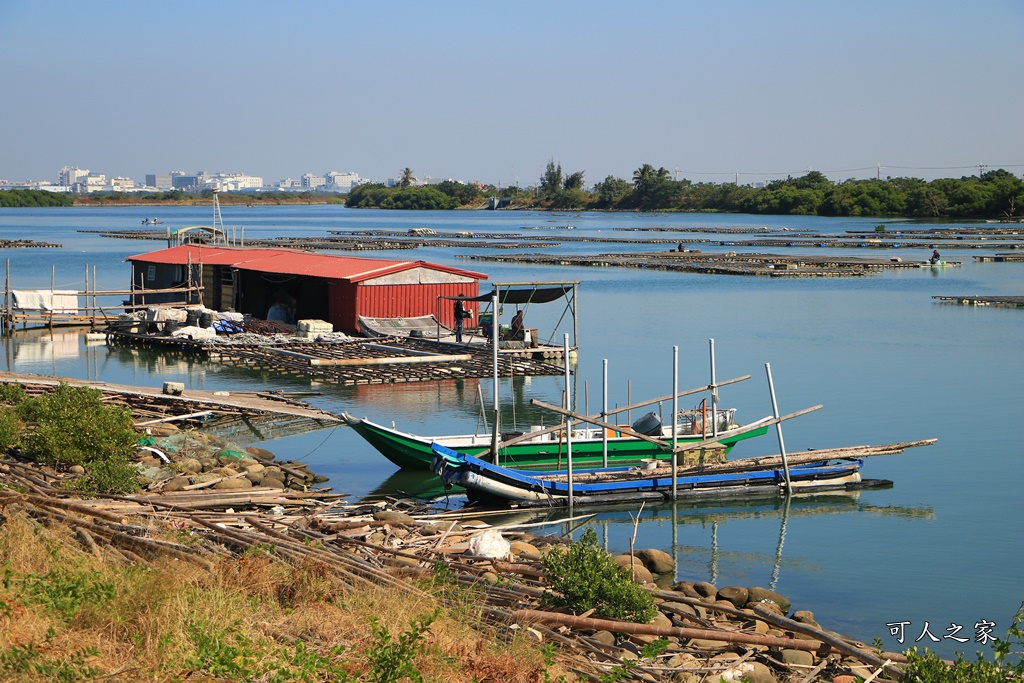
(337, 289)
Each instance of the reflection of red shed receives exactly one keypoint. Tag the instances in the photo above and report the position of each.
(337, 289)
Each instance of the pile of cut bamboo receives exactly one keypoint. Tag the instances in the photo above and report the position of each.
(368, 545)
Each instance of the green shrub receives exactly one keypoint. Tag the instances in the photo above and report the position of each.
(928, 667)
(11, 427)
(113, 475)
(393, 659)
(585, 577)
(72, 426)
(12, 393)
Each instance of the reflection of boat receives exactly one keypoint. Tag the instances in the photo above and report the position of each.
(749, 477)
(538, 447)
(410, 484)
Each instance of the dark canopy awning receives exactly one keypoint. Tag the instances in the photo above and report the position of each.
(535, 295)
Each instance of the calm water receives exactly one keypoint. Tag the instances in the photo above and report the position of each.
(889, 364)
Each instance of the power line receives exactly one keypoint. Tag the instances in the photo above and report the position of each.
(877, 168)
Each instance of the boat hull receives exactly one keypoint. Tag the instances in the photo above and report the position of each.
(489, 484)
(410, 451)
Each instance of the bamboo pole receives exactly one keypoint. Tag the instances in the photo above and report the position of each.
(568, 422)
(8, 323)
(658, 442)
(675, 422)
(778, 427)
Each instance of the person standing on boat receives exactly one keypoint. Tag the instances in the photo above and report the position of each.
(460, 314)
(935, 257)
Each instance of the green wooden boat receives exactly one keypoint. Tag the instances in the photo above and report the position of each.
(548, 449)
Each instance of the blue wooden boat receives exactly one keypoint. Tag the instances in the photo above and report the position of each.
(748, 477)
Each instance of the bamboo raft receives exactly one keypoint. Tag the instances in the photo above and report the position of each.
(971, 300)
(365, 240)
(1001, 258)
(729, 263)
(27, 244)
(151, 406)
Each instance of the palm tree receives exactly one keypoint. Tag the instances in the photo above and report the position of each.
(643, 176)
(406, 178)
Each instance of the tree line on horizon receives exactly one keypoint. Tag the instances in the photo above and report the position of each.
(995, 194)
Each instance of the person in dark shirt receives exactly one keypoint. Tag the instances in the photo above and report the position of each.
(935, 257)
(460, 314)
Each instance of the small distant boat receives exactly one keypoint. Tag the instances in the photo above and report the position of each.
(152, 221)
(836, 469)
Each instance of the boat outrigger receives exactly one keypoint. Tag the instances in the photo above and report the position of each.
(835, 469)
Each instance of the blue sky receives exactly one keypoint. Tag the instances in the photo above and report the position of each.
(492, 91)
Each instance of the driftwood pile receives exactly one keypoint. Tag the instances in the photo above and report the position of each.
(728, 632)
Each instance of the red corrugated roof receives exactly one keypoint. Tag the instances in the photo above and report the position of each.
(292, 262)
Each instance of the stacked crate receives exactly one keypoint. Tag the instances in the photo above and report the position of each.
(311, 329)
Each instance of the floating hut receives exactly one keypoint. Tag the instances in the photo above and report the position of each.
(336, 289)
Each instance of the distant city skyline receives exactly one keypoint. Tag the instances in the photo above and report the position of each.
(486, 93)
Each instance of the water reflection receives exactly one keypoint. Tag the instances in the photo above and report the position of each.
(703, 557)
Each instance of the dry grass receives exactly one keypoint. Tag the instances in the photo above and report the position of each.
(65, 614)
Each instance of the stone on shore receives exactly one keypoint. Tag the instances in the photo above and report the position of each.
(706, 591)
(758, 594)
(737, 595)
(633, 564)
(233, 484)
(656, 561)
